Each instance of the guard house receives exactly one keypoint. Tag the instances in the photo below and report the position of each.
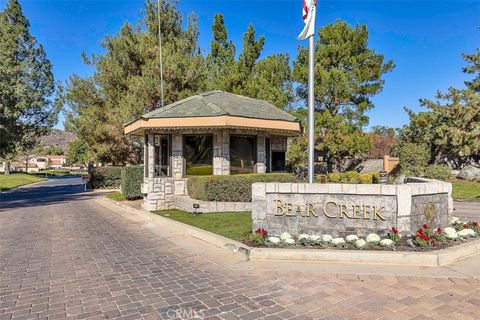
(213, 133)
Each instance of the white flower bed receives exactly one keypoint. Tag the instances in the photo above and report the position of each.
(450, 233)
(326, 238)
(387, 243)
(338, 242)
(351, 238)
(466, 233)
(454, 220)
(274, 240)
(284, 236)
(360, 243)
(373, 238)
(303, 236)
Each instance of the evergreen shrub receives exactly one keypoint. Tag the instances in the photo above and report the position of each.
(334, 177)
(439, 172)
(234, 188)
(106, 177)
(132, 179)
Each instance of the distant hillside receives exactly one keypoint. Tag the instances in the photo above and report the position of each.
(58, 138)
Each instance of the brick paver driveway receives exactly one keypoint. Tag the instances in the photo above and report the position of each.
(64, 256)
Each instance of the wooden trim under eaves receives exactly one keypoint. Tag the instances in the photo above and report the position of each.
(292, 128)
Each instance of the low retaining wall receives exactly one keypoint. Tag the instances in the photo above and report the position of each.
(186, 203)
(342, 209)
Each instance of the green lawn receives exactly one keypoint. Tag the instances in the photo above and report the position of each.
(14, 180)
(116, 196)
(233, 225)
(465, 190)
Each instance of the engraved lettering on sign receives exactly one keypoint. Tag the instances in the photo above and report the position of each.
(356, 210)
(343, 212)
(331, 209)
(365, 211)
(310, 210)
(289, 211)
(376, 213)
(325, 209)
(278, 208)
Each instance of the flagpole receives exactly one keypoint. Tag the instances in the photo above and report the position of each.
(311, 118)
(159, 8)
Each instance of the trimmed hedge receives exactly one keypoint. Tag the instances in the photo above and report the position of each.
(439, 172)
(132, 179)
(106, 177)
(434, 171)
(354, 177)
(236, 188)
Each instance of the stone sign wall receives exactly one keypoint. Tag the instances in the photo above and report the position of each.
(341, 209)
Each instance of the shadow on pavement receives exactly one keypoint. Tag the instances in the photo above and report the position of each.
(55, 190)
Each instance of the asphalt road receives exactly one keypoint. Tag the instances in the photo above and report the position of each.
(58, 189)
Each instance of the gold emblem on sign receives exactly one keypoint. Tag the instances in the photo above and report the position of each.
(429, 211)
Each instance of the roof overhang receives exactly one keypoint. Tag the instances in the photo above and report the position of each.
(138, 127)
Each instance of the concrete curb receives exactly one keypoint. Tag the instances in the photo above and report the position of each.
(424, 259)
(183, 229)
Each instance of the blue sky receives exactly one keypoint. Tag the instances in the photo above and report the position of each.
(424, 38)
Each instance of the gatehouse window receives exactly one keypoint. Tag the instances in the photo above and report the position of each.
(243, 153)
(162, 155)
(198, 154)
(278, 161)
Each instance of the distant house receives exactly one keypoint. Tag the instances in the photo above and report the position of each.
(20, 167)
(48, 161)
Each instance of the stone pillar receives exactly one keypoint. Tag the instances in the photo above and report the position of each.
(177, 161)
(260, 166)
(221, 152)
(151, 161)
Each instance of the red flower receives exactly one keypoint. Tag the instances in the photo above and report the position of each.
(423, 236)
(394, 230)
(465, 226)
(262, 232)
(420, 231)
(439, 230)
(475, 224)
(425, 226)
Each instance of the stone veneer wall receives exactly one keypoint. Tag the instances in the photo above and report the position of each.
(159, 192)
(221, 153)
(403, 206)
(185, 203)
(162, 193)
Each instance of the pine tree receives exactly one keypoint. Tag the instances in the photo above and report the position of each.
(347, 75)
(26, 83)
(126, 81)
(473, 67)
(450, 127)
(347, 72)
(221, 59)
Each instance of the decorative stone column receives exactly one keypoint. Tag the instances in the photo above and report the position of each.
(150, 187)
(260, 166)
(221, 152)
(177, 160)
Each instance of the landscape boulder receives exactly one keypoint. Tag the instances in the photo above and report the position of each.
(469, 173)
